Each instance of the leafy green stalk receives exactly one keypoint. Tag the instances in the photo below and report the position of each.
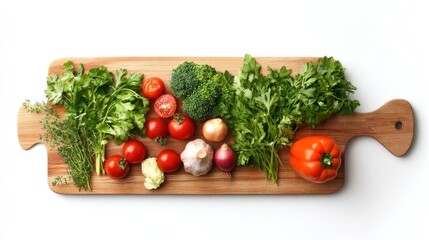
(100, 151)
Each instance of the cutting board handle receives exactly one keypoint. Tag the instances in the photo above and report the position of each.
(29, 128)
(392, 125)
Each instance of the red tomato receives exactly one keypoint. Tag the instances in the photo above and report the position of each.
(116, 167)
(156, 129)
(134, 151)
(168, 160)
(181, 127)
(153, 88)
(165, 106)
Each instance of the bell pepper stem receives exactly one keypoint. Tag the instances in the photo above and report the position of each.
(327, 160)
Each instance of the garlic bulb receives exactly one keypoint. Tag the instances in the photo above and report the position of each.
(197, 157)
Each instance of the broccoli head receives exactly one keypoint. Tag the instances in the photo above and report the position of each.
(203, 103)
(201, 88)
(188, 76)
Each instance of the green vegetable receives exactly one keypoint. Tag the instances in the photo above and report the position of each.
(265, 111)
(203, 102)
(100, 100)
(75, 143)
(201, 87)
(187, 77)
(322, 90)
(260, 115)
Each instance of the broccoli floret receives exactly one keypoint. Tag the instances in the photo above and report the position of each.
(203, 103)
(184, 79)
(201, 88)
(188, 76)
(205, 72)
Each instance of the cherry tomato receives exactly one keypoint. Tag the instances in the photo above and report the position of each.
(165, 106)
(181, 127)
(134, 151)
(168, 160)
(153, 88)
(156, 129)
(116, 167)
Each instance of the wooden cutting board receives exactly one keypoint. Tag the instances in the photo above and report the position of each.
(392, 125)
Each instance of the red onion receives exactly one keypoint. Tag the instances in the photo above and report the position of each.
(225, 159)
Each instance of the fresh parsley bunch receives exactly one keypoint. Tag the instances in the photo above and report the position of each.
(259, 112)
(322, 90)
(100, 100)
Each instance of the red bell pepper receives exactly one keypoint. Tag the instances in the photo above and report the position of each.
(316, 158)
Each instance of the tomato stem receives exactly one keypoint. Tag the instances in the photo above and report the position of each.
(161, 141)
(123, 163)
(327, 160)
(178, 117)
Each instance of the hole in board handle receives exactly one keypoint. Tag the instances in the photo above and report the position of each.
(399, 125)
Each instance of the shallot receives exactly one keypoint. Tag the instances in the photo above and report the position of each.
(225, 159)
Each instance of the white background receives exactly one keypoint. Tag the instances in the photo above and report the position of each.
(383, 45)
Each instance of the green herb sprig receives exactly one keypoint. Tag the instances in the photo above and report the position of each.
(73, 142)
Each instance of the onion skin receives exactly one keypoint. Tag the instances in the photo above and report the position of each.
(225, 158)
(215, 130)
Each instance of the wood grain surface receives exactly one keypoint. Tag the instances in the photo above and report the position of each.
(392, 125)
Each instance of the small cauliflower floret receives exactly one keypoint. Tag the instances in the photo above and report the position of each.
(153, 175)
